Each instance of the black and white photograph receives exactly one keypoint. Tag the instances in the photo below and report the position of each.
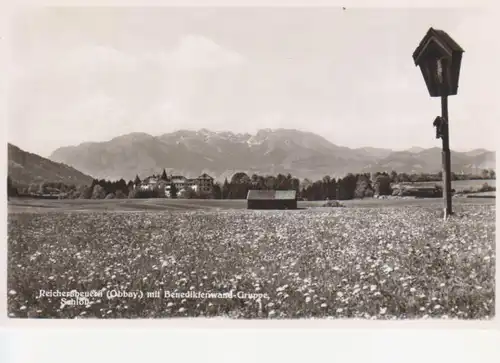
(264, 163)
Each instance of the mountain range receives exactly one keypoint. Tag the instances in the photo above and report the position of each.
(221, 154)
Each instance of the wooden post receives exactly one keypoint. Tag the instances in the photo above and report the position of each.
(446, 158)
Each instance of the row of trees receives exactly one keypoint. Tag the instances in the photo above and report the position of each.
(101, 189)
(435, 177)
(349, 187)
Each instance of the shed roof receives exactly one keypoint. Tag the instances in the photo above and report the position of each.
(271, 194)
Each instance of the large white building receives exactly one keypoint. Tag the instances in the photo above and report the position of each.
(205, 183)
(202, 184)
(149, 183)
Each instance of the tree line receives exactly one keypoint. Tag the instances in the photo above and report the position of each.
(350, 186)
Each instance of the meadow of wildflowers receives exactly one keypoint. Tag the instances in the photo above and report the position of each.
(373, 263)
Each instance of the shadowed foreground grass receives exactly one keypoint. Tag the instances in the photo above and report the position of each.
(348, 262)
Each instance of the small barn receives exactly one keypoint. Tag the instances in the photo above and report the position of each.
(272, 199)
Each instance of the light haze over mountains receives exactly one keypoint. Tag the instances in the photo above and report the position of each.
(269, 151)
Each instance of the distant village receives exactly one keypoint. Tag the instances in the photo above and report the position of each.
(174, 185)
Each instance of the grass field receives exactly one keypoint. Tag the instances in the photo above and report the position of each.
(369, 262)
(156, 204)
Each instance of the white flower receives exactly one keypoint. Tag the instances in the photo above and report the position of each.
(324, 305)
(437, 307)
(339, 310)
(340, 294)
(373, 287)
(12, 292)
(413, 289)
(170, 304)
(181, 310)
(308, 299)
(281, 288)
(272, 312)
(383, 310)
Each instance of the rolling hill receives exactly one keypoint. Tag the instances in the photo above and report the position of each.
(26, 168)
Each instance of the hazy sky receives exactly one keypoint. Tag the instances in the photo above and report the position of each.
(90, 74)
